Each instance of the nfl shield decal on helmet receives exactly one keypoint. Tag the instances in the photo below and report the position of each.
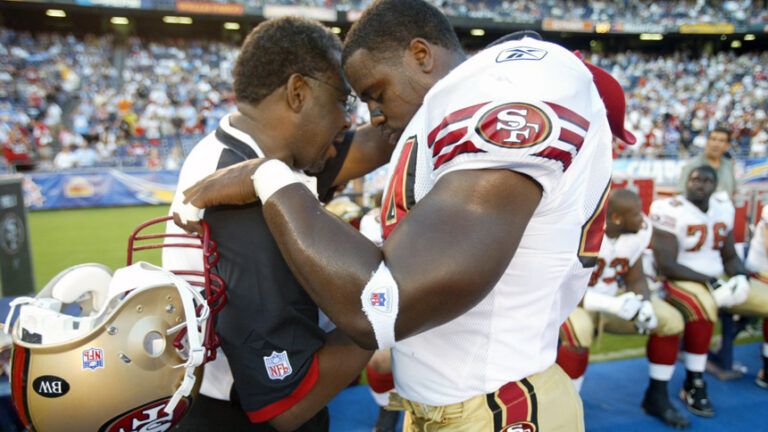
(278, 366)
(515, 125)
(93, 358)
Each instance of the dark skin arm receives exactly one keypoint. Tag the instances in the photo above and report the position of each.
(340, 362)
(665, 250)
(487, 209)
(635, 280)
(369, 150)
(731, 261)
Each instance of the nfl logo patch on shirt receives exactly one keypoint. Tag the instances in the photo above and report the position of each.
(93, 358)
(278, 366)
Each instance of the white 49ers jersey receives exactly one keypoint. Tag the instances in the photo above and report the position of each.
(757, 261)
(531, 107)
(616, 257)
(700, 236)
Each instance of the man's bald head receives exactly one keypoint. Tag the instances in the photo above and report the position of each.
(622, 200)
(625, 214)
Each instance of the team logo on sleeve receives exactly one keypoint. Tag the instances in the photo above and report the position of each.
(515, 125)
(278, 366)
(664, 221)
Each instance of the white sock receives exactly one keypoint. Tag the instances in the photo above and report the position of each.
(765, 349)
(695, 362)
(577, 382)
(660, 372)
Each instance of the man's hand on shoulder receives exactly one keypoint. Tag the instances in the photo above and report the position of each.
(229, 186)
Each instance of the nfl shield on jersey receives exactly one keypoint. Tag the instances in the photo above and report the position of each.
(531, 107)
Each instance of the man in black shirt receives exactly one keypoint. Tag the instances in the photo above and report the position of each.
(292, 105)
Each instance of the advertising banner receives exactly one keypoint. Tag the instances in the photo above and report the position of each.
(98, 188)
(551, 24)
(209, 8)
(707, 28)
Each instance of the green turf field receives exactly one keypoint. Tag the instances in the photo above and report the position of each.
(64, 238)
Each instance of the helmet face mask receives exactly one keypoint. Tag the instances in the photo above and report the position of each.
(132, 364)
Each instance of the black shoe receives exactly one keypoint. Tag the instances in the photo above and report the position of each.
(387, 421)
(761, 380)
(659, 406)
(694, 394)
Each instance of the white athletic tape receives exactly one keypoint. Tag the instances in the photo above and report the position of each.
(186, 211)
(270, 177)
(381, 303)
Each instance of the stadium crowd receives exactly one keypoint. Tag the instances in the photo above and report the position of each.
(668, 12)
(67, 102)
(79, 102)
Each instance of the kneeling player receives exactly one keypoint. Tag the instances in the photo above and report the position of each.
(757, 264)
(694, 249)
(626, 237)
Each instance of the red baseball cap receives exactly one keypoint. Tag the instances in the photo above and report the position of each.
(613, 97)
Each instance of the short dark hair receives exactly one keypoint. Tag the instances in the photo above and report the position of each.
(723, 129)
(278, 48)
(388, 26)
(706, 169)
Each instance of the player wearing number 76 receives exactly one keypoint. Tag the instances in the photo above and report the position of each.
(694, 250)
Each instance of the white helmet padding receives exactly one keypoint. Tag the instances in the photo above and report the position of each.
(86, 284)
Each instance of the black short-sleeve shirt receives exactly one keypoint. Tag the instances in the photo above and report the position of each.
(269, 327)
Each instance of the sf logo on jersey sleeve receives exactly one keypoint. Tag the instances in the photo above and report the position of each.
(515, 125)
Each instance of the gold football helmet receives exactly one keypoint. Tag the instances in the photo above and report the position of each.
(344, 208)
(130, 359)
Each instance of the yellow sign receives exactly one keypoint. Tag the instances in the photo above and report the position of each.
(707, 28)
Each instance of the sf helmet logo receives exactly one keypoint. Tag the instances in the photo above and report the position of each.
(515, 125)
(522, 426)
(148, 418)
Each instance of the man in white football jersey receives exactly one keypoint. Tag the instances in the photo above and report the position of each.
(757, 264)
(694, 249)
(492, 218)
(618, 296)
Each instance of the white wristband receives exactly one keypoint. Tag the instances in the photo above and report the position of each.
(381, 304)
(270, 177)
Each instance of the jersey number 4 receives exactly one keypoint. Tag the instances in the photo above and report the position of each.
(592, 232)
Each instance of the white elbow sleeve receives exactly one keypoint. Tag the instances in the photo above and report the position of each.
(381, 303)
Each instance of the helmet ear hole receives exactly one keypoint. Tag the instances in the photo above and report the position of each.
(86, 284)
(154, 344)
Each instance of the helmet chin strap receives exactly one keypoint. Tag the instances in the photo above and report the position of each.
(196, 355)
